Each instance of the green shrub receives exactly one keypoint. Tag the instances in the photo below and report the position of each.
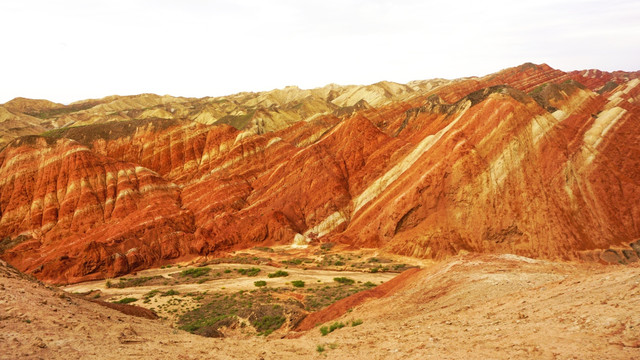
(151, 294)
(320, 349)
(327, 330)
(126, 300)
(260, 283)
(356, 322)
(278, 273)
(267, 324)
(297, 283)
(170, 293)
(195, 272)
(249, 272)
(335, 326)
(292, 261)
(344, 280)
(374, 270)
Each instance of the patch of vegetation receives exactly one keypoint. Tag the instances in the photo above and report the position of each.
(292, 262)
(8, 243)
(335, 326)
(260, 283)
(224, 310)
(267, 324)
(196, 272)
(263, 248)
(170, 292)
(327, 246)
(400, 267)
(151, 294)
(297, 283)
(610, 85)
(319, 298)
(237, 121)
(126, 300)
(86, 134)
(278, 273)
(320, 349)
(131, 282)
(47, 113)
(344, 280)
(356, 322)
(249, 272)
(538, 89)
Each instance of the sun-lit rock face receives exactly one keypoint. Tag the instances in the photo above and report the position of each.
(69, 212)
(529, 160)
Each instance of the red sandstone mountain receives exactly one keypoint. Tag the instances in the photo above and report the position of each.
(530, 160)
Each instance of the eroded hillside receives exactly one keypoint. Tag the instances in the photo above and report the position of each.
(530, 160)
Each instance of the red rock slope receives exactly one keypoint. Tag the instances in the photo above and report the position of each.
(530, 160)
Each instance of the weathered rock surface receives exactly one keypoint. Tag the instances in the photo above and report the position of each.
(530, 160)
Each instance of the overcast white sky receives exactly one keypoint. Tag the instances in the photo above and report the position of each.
(68, 50)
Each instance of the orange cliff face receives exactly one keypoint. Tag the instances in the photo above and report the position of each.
(530, 160)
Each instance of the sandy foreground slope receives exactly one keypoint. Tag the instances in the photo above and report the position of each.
(478, 307)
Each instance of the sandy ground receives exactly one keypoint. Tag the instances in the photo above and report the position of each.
(469, 307)
(230, 285)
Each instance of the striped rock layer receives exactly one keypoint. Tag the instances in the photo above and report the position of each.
(530, 160)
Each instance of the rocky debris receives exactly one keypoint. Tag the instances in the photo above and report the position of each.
(129, 336)
(622, 256)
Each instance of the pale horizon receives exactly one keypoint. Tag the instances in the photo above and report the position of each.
(73, 50)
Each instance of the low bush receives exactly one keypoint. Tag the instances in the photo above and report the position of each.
(249, 272)
(344, 280)
(170, 293)
(267, 324)
(126, 300)
(260, 283)
(278, 273)
(327, 330)
(195, 272)
(297, 283)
